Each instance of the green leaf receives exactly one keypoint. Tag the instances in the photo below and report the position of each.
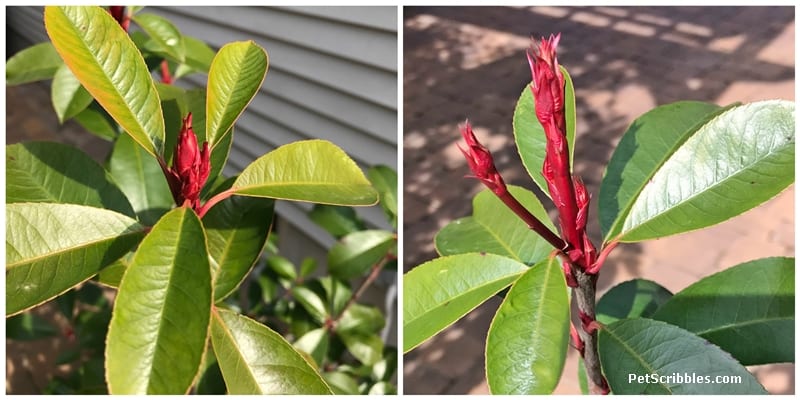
(361, 318)
(112, 275)
(583, 380)
(97, 122)
(631, 299)
(27, 326)
(341, 383)
(283, 267)
(237, 229)
(198, 55)
(256, 360)
(366, 348)
(307, 267)
(311, 302)
(439, 292)
(52, 247)
(529, 134)
(314, 343)
(494, 228)
(337, 294)
(35, 63)
(382, 388)
(384, 179)
(211, 380)
(747, 310)
(236, 74)
(107, 63)
(738, 160)
(141, 179)
(357, 252)
(337, 220)
(46, 172)
(163, 33)
(643, 148)
(158, 331)
(632, 350)
(68, 96)
(321, 173)
(527, 342)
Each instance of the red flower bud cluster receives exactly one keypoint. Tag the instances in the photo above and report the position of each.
(190, 167)
(480, 161)
(568, 193)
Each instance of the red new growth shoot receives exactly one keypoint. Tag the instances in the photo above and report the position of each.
(482, 166)
(190, 167)
(569, 194)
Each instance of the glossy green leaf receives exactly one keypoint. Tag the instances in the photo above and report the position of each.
(112, 275)
(643, 148)
(382, 388)
(529, 134)
(357, 252)
(282, 266)
(366, 348)
(631, 299)
(439, 292)
(211, 380)
(237, 229)
(47, 172)
(35, 63)
(256, 360)
(107, 63)
(311, 302)
(52, 247)
(141, 179)
(738, 160)
(337, 294)
(494, 228)
(384, 179)
(747, 310)
(163, 33)
(314, 343)
(361, 318)
(97, 122)
(173, 122)
(29, 326)
(337, 220)
(341, 383)
(236, 74)
(675, 361)
(321, 173)
(161, 314)
(68, 96)
(527, 342)
(198, 55)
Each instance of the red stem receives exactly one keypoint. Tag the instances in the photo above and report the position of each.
(213, 201)
(529, 218)
(166, 77)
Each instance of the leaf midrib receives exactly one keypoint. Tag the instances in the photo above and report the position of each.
(65, 250)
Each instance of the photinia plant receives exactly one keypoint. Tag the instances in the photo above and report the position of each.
(159, 222)
(679, 167)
